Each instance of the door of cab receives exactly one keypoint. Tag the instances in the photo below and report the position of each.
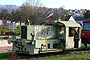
(74, 32)
(61, 35)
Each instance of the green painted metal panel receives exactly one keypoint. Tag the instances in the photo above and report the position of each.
(38, 43)
(52, 42)
(30, 29)
(45, 32)
(30, 49)
(41, 32)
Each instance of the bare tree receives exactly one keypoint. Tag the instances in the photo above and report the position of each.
(30, 10)
(4, 16)
(33, 11)
(62, 13)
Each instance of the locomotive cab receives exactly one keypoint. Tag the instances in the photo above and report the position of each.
(69, 34)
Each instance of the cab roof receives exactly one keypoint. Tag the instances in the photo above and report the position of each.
(69, 24)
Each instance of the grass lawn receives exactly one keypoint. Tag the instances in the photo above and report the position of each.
(19, 31)
(3, 56)
(8, 30)
(70, 57)
(82, 46)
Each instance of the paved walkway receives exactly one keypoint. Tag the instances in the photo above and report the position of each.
(5, 49)
(4, 46)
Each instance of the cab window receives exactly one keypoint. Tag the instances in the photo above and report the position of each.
(73, 30)
(61, 30)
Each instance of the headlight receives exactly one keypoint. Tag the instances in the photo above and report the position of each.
(83, 34)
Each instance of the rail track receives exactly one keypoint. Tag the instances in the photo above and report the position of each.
(53, 54)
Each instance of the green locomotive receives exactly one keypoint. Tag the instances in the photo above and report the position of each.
(50, 36)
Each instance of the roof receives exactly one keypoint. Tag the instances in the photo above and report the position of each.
(71, 19)
(67, 17)
(70, 24)
(87, 20)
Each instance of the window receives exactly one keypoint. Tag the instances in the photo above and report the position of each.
(61, 30)
(73, 30)
(48, 46)
(55, 45)
(86, 26)
(70, 31)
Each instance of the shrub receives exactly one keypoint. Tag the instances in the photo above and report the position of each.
(3, 27)
(18, 27)
(12, 30)
(2, 31)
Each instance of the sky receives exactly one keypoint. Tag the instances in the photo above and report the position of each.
(67, 4)
(13, 2)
